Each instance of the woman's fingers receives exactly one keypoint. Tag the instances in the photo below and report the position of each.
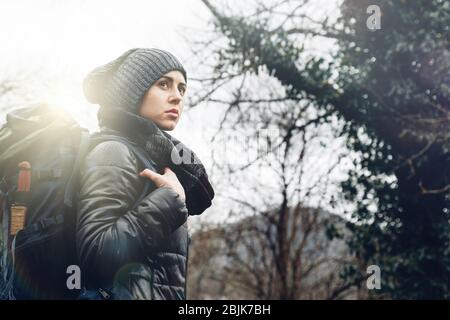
(168, 179)
(169, 173)
(154, 176)
(167, 169)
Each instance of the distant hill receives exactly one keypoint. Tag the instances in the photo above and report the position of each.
(238, 260)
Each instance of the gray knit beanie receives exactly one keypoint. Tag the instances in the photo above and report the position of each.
(123, 82)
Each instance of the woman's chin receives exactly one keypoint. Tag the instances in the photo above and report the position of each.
(167, 125)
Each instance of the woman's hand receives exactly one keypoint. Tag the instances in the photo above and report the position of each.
(168, 179)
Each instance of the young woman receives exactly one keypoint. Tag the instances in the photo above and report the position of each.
(130, 248)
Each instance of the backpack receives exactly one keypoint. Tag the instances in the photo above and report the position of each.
(41, 150)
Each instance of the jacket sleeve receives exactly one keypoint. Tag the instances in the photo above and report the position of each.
(110, 233)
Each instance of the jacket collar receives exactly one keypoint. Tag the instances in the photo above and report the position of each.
(136, 128)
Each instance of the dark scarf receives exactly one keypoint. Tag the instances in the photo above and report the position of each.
(165, 151)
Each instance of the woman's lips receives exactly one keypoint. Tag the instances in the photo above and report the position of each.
(172, 113)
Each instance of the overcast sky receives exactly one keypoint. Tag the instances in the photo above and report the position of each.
(61, 41)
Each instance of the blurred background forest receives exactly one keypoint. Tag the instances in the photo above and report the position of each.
(327, 140)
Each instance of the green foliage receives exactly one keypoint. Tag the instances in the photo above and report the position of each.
(401, 70)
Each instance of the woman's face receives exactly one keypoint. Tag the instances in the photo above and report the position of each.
(163, 102)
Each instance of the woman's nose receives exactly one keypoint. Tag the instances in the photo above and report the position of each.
(176, 96)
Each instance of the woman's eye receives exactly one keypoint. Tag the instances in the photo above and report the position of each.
(163, 84)
(182, 91)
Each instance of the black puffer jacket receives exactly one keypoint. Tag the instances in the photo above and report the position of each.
(136, 253)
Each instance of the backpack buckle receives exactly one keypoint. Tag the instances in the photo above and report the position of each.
(106, 295)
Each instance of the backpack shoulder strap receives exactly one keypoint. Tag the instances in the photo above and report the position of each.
(83, 149)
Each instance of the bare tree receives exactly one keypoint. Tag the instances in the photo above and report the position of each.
(275, 244)
(17, 90)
